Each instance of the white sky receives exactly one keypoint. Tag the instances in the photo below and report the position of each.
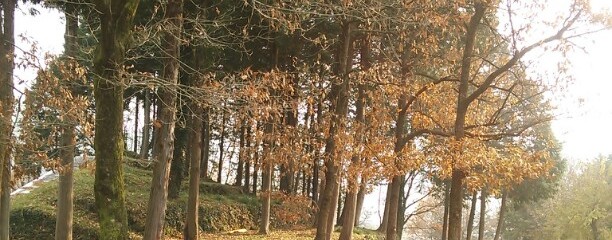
(585, 128)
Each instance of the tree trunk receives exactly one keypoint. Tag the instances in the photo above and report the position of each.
(247, 164)
(63, 226)
(340, 90)
(205, 144)
(385, 219)
(136, 113)
(316, 154)
(5, 200)
(483, 211)
(458, 176)
(395, 184)
(350, 206)
(446, 206)
(360, 197)
(221, 147)
(195, 144)
(470, 223)
(115, 25)
(241, 155)
(144, 147)
(156, 209)
(7, 99)
(179, 154)
(63, 223)
(256, 162)
(266, 186)
(502, 213)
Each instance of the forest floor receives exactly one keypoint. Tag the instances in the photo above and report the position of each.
(225, 211)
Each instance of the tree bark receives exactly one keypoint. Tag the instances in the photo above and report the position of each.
(144, 147)
(205, 144)
(340, 91)
(136, 113)
(502, 213)
(7, 99)
(266, 186)
(5, 200)
(483, 211)
(391, 232)
(115, 25)
(247, 164)
(154, 224)
(385, 219)
(195, 144)
(446, 206)
(470, 223)
(241, 155)
(221, 147)
(458, 176)
(360, 198)
(63, 223)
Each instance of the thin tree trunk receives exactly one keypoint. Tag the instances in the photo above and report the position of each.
(205, 144)
(502, 213)
(341, 92)
(7, 102)
(241, 155)
(256, 162)
(136, 113)
(63, 223)
(266, 186)
(144, 148)
(351, 199)
(247, 164)
(446, 206)
(154, 224)
(195, 144)
(115, 26)
(470, 223)
(316, 154)
(221, 146)
(483, 211)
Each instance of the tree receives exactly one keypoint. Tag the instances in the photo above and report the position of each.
(115, 27)
(7, 101)
(156, 210)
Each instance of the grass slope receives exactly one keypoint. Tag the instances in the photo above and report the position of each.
(222, 209)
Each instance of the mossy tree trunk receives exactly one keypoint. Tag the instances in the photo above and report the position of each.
(63, 223)
(154, 225)
(115, 26)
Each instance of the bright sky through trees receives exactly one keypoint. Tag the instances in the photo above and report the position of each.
(585, 109)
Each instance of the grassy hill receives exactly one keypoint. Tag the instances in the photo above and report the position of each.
(222, 209)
